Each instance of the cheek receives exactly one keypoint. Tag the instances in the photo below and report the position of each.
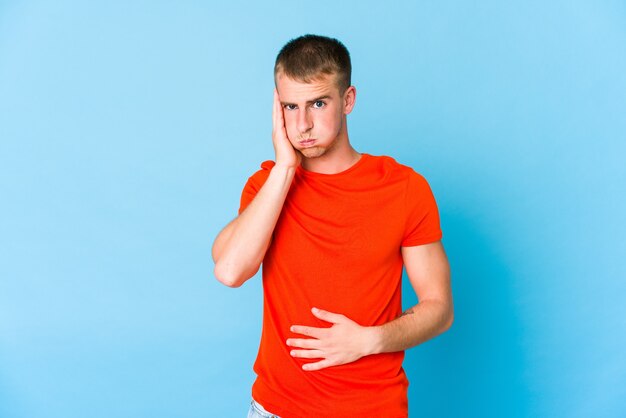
(331, 123)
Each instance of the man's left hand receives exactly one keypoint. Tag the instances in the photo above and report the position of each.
(344, 342)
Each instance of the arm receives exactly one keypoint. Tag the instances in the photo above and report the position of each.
(429, 273)
(346, 341)
(240, 247)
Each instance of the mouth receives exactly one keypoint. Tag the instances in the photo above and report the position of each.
(308, 142)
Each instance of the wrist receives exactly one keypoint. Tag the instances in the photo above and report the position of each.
(290, 168)
(283, 171)
(373, 340)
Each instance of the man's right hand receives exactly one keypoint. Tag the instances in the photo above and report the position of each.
(286, 154)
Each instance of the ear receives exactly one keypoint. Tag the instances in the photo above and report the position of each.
(349, 98)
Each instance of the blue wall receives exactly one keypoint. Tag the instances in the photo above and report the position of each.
(127, 130)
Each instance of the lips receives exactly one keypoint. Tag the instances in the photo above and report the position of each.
(307, 142)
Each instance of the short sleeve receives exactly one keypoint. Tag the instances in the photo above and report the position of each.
(422, 216)
(254, 184)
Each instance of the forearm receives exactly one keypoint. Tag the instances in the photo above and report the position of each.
(239, 249)
(416, 325)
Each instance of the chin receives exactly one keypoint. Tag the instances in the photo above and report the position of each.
(313, 152)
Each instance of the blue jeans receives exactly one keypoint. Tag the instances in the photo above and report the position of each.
(257, 411)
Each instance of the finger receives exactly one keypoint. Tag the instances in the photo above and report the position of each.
(309, 331)
(307, 353)
(280, 117)
(328, 316)
(317, 366)
(274, 113)
(303, 343)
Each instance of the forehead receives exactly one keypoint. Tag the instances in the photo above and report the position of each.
(294, 91)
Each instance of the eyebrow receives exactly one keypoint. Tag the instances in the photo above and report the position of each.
(308, 101)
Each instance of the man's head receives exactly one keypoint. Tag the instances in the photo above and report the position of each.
(312, 76)
(309, 57)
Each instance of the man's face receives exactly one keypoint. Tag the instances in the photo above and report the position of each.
(314, 113)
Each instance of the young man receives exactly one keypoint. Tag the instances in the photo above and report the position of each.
(333, 228)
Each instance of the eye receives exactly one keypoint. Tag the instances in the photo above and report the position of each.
(290, 106)
(319, 104)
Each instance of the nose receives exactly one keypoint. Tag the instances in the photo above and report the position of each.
(304, 122)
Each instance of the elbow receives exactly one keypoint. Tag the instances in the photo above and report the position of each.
(449, 320)
(231, 277)
(226, 277)
(230, 283)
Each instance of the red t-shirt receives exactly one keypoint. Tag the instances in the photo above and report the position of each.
(336, 246)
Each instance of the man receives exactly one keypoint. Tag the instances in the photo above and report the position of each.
(333, 228)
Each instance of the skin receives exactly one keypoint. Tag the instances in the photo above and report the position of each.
(240, 247)
(317, 111)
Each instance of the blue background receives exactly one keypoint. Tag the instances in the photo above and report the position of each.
(127, 130)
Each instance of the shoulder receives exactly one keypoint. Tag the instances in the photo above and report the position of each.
(267, 165)
(397, 169)
(259, 177)
(265, 168)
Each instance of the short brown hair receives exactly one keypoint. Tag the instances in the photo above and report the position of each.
(308, 57)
